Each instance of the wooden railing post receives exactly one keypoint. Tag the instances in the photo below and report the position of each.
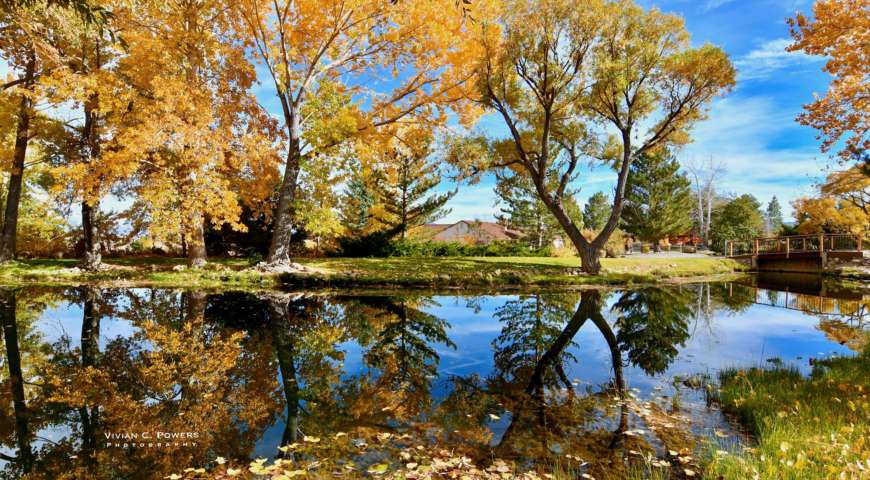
(756, 246)
(787, 246)
(730, 248)
(821, 242)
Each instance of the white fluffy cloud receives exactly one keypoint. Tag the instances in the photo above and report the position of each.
(771, 57)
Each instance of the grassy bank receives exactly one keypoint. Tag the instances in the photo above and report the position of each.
(805, 428)
(346, 272)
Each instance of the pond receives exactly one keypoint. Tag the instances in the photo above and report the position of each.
(141, 383)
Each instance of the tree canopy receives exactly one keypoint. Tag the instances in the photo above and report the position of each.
(738, 219)
(575, 85)
(837, 31)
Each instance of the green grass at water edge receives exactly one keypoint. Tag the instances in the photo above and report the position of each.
(805, 428)
(338, 272)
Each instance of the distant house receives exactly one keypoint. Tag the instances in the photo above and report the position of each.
(688, 238)
(465, 231)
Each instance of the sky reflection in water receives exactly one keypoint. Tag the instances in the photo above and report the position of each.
(515, 376)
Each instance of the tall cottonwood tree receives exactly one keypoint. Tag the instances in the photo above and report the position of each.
(423, 48)
(27, 46)
(88, 48)
(188, 139)
(558, 73)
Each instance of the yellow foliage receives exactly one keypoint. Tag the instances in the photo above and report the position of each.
(842, 205)
(839, 30)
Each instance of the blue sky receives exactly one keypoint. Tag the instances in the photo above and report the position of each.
(752, 131)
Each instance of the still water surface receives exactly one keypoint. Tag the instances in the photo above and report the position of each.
(534, 377)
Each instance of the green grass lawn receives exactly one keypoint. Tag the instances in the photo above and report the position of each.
(338, 272)
(805, 428)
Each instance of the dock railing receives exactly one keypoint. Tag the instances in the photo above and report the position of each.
(827, 242)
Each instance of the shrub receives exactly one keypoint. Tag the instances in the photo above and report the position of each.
(377, 245)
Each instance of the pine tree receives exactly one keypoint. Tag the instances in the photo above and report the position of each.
(356, 207)
(401, 189)
(523, 210)
(658, 199)
(597, 211)
(773, 216)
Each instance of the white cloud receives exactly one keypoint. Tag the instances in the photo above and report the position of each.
(769, 58)
(714, 4)
(746, 136)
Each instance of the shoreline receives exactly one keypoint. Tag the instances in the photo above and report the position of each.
(446, 273)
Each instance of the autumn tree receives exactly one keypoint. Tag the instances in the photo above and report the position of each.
(837, 31)
(842, 206)
(188, 139)
(658, 199)
(422, 48)
(606, 82)
(851, 185)
(28, 47)
(403, 187)
(88, 47)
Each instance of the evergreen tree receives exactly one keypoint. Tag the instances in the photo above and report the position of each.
(658, 199)
(523, 210)
(773, 216)
(356, 206)
(597, 211)
(401, 189)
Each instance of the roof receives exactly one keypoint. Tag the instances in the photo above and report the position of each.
(492, 230)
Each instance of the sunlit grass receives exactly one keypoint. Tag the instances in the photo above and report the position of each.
(806, 428)
(405, 271)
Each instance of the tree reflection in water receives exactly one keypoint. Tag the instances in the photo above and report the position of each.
(232, 366)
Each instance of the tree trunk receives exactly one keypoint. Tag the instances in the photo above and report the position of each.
(8, 304)
(284, 351)
(16, 176)
(90, 347)
(710, 194)
(91, 257)
(279, 248)
(590, 258)
(590, 305)
(196, 256)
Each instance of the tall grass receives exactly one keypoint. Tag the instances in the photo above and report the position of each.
(812, 427)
